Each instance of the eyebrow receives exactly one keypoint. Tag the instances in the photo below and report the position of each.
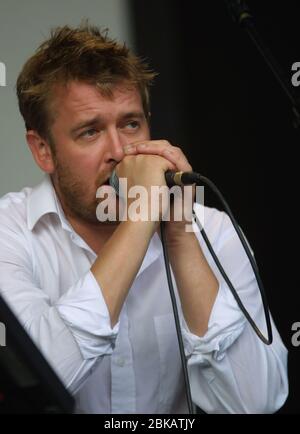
(98, 120)
(86, 123)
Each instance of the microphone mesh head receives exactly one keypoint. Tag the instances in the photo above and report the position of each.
(114, 182)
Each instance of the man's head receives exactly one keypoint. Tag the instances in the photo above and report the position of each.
(80, 76)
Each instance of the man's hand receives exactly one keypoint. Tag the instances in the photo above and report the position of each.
(179, 162)
(143, 172)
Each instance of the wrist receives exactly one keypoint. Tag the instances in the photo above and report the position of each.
(179, 235)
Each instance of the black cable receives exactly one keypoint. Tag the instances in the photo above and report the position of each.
(242, 15)
(203, 180)
(177, 323)
(199, 180)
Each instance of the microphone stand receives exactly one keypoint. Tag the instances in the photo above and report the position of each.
(241, 15)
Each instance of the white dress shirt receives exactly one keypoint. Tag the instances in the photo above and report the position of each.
(135, 367)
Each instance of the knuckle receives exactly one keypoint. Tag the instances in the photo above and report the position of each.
(177, 149)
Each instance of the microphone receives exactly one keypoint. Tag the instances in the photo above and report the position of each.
(181, 178)
(172, 178)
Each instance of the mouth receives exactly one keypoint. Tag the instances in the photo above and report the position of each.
(102, 180)
(105, 182)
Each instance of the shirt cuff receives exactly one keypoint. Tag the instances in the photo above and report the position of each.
(84, 311)
(225, 325)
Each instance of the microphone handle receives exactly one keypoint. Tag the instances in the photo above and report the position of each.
(181, 178)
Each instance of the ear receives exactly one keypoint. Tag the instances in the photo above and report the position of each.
(41, 151)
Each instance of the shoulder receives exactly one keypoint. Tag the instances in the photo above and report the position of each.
(13, 209)
(216, 223)
(212, 219)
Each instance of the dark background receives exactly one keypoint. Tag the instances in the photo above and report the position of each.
(217, 98)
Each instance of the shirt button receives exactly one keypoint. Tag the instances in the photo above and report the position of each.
(120, 361)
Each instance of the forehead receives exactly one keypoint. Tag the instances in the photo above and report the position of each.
(78, 98)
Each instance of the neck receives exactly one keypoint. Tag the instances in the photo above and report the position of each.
(94, 233)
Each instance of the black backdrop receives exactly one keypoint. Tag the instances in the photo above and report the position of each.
(216, 97)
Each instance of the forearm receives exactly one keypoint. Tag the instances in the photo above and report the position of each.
(197, 285)
(119, 261)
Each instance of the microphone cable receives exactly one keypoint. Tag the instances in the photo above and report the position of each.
(177, 323)
(200, 180)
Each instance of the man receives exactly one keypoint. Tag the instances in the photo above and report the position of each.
(94, 295)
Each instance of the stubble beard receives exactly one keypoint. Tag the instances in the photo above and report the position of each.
(74, 195)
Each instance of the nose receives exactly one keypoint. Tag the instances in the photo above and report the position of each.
(114, 146)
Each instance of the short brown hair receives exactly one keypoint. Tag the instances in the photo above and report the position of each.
(85, 53)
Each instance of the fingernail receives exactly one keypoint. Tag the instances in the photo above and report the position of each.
(142, 145)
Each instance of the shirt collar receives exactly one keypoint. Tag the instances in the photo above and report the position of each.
(41, 201)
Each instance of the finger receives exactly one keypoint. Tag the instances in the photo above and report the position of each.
(130, 149)
(163, 148)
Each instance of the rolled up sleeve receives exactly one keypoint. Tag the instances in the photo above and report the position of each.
(84, 311)
(73, 332)
(231, 370)
(225, 325)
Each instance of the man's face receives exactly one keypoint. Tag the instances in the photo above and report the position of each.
(89, 133)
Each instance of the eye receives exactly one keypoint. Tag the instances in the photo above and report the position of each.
(88, 134)
(132, 125)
